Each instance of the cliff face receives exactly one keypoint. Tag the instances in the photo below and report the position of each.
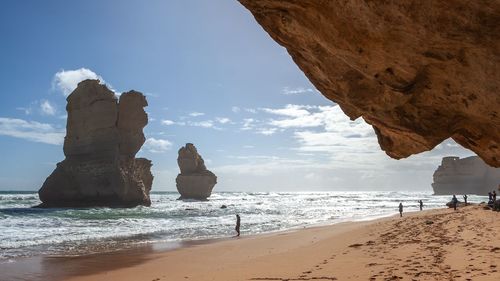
(103, 134)
(418, 71)
(465, 176)
(194, 181)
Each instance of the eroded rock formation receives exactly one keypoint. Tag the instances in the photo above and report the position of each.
(465, 176)
(194, 181)
(418, 71)
(103, 134)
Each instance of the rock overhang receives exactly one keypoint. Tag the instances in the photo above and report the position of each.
(418, 72)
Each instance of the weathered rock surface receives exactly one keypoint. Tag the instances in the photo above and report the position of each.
(418, 71)
(194, 181)
(103, 134)
(465, 176)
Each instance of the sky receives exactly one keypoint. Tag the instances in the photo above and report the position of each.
(212, 76)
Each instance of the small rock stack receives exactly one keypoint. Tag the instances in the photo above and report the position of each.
(194, 181)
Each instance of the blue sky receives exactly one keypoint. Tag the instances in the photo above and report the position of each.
(211, 75)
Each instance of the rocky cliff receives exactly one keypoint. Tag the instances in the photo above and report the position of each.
(194, 181)
(418, 71)
(103, 134)
(465, 176)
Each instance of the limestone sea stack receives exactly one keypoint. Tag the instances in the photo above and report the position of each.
(465, 176)
(194, 181)
(103, 135)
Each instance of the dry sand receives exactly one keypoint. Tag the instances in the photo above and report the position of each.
(430, 245)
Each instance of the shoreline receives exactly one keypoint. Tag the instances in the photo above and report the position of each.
(381, 249)
(155, 262)
(39, 268)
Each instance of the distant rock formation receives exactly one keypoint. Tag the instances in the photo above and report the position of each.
(103, 134)
(419, 72)
(194, 181)
(465, 176)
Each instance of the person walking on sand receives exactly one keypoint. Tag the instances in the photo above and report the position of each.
(494, 195)
(421, 204)
(238, 221)
(465, 199)
(454, 201)
(400, 209)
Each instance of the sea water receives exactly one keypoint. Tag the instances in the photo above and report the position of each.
(26, 231)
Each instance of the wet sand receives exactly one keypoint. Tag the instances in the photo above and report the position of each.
(430, 245)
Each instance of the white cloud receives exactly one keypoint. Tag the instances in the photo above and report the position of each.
(330, 152)
(266, 131)
(47, 108)
(43, 107)
(204, 124)
(167, 122)
(235, 109)
(67, 80)
(152, 95)
(248, 124)
(297, 91)
(196, 114)
(291, 110)
(27, 110)
(261, 165)
(223, 120)
(157, 145)
(31, 130)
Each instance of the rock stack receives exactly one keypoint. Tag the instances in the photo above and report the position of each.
(468, 175)
(194, 181)
(103, 134)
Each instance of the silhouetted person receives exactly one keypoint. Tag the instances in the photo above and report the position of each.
(465, 199)
(400, 209)
(454, 201)
(490, 197)
(237, 228)
(421, 204)
(494, 195)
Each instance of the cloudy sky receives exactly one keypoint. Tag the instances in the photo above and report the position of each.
(211, 75)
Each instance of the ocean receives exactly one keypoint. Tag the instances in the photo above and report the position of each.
(27, 232)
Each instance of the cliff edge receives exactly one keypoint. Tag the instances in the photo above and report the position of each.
(468, 175)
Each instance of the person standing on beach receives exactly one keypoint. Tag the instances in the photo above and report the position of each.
(421, 204)
(465, 199)
(454, 201)
(237, 228)
(494, 195)
(400, 209)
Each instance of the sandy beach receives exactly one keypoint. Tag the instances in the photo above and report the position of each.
(430, 245)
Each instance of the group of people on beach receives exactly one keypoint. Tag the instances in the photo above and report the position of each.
(492, 197)
(454, 201)
(492, 200)
(420, 205)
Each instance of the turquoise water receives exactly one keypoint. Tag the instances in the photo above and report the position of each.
(26, 231)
